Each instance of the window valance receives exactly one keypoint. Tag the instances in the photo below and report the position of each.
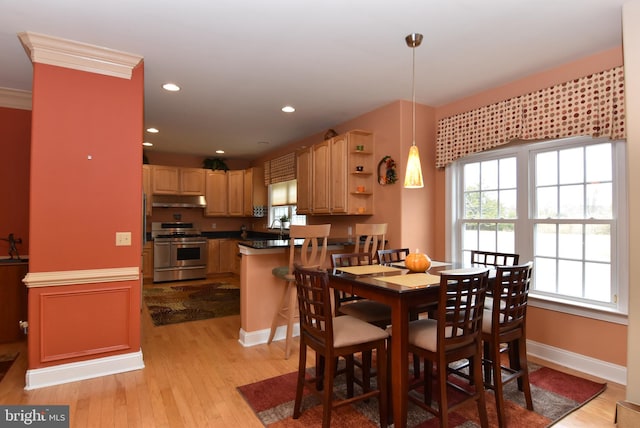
(280, 169)
(592, 105)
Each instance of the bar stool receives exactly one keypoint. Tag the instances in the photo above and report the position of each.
(374, 235)
(313, 253)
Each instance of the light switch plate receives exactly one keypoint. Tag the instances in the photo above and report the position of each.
(123, 239)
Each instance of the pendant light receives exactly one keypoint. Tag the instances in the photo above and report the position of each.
(413, 175)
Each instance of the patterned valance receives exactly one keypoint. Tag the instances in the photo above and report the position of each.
(591, 105)
(280, 169)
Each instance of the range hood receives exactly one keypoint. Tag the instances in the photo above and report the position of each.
(179, 201)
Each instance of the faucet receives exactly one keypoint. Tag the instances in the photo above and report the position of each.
(13, 250)
(273, 224)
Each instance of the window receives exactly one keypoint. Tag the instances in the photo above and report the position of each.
(559, 203)
(282, 202)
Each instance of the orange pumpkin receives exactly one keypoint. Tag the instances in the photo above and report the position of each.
(417, 262)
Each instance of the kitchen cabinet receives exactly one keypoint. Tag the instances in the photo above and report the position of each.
(171, 180)
(146, 188)
(223, 256)
(255, 192)
(216, 193)
(235, 192)
(336, 176)
(303, 176)
(13, 295)
(147, 262)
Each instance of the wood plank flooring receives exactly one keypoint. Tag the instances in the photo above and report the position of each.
(190, 378)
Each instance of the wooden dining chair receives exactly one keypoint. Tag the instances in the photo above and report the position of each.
(331, 338)
(454, 334)
(370, 237)
(367, 310)
(506, 323)
(313, 253)
(392, 255)
(492, 258)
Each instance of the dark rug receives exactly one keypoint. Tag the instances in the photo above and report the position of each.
(6, 360)
(181, 303)
(555, 394)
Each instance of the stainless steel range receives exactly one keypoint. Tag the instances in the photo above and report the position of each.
(179, 252)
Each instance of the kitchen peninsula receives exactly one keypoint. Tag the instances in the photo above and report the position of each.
(260, 291)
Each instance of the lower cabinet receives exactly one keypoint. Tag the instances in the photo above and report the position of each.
(223, 256)
(147, 262)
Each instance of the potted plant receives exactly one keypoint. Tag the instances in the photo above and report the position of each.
(285, 222)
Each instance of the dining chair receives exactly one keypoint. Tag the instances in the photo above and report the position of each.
(454, 334)
(367, 310)
(389, 256)
(492, 258)
(313, 253)
(506, 323)
(372, 236)
(331, 338)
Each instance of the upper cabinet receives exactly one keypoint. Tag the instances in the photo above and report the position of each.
(255, 191)
(216, 193)
(171, 180)
(235, 192)
(336, 176)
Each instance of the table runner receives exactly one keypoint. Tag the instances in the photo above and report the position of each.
(367, 269)
(433, 264)
(412, 279)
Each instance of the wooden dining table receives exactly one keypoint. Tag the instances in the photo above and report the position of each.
(401, 290)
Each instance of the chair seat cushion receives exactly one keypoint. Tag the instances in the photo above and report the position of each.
(423, 333)
(348, 331)
(487, 320)
(282, 272)
(367, 310)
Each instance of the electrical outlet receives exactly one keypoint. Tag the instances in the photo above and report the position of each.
(123, 239)
(213, 225)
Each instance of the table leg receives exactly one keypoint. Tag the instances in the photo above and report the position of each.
(399, 362)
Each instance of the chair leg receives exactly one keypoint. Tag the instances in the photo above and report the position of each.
(443, 403)
(383, 398)
(327, 394)
(493, 351)
(278, 313)
(366, 370)
(479, 388)
(290, 316)
(524, 367)
(302, 363)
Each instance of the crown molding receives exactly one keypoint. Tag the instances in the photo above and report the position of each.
(78, 56)
(15, 98)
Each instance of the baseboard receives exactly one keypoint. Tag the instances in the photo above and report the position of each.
(72, 372)
(602, 369)
(260, 337)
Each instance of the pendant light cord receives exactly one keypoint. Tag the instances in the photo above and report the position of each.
(413, 90)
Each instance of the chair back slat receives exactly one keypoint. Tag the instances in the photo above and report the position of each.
(392, 255)
(462, 297)
(313, 251)
(341, 297)
(314, 303)
(512, 286)
(492, 258)
(374, 235)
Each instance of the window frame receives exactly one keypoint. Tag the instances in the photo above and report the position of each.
(524, 224)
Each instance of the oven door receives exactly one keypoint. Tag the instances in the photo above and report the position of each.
(189, 253)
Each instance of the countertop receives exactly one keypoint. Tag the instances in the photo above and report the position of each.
(8, 261)
(261, 244)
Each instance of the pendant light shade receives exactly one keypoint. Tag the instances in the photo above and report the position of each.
(413, 174)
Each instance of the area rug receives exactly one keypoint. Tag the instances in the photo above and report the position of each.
(555, 394)
(181, 303)
(6, 360)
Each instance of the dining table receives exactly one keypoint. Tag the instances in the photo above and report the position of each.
(402, 290)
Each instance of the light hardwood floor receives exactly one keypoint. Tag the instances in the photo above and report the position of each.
(190, 379)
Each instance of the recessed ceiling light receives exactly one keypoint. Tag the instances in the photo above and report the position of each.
(171, 87)
(153, 130)
(147, 144)
(288, 109)
(220, 152)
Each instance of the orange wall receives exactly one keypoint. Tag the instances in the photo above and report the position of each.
(77, 206)
(15, 145)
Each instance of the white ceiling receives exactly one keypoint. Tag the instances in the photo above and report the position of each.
(240, 61)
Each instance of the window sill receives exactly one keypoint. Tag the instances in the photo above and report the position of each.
(582, 310)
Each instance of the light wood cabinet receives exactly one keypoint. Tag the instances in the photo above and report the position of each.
(146, 188)
(171, 180)
(223, 256)
(235, 192)
(147, 262)
(304, 168)
(255, 192)
(336, 176)
(216, 193)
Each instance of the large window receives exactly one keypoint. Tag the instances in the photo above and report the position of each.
(560, 204)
